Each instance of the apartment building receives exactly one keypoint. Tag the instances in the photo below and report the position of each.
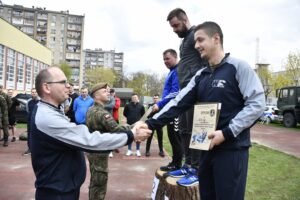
(102, 58)
(21, 58)
(58, 30)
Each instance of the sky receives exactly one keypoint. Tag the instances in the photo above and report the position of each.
(139, 28)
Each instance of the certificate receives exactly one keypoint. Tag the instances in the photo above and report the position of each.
(205, 121)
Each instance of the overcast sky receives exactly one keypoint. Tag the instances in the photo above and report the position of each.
(140, 30)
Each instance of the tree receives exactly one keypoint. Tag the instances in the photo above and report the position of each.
(265, 76)
(65, 67)
(293, 66)
(281, 80)
(145, 84)
(100, 74)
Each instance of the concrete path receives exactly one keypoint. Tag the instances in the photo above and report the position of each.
(130, 178)
(281, 139)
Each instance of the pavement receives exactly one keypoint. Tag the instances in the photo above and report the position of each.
(130, 178)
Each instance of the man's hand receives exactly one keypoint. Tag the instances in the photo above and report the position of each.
(217, 138)
(155, 108)
(140, 131)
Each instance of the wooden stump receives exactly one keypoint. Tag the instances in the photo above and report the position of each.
(160, 192)
(177, 192)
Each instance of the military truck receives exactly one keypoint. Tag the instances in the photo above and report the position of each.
(288, 104)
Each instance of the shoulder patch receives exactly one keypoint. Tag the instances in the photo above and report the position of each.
(107, 116)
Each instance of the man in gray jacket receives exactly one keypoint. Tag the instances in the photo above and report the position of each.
(56, 143)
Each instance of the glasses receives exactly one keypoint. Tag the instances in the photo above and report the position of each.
(65, 82)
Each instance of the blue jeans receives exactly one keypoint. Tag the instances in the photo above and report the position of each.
(137, 146)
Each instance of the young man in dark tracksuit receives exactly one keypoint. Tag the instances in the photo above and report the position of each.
(231, 82)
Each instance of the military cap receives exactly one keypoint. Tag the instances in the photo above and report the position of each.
(98, 87)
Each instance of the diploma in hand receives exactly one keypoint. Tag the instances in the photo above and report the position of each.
(205, 121)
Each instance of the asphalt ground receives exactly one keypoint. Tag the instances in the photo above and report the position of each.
(130, 178)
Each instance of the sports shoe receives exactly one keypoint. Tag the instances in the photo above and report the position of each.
(13, 139)
(169, 167)
(183, 171)
(129, 153)
(147, 153)
(138, 153)
(27, 152)
(111, 154)
(188, 180)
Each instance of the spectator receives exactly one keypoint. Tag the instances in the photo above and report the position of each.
(133, 111)
(159, 133)
(81, 106)
(31, 103)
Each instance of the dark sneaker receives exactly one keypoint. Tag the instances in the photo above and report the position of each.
(5, 144)
(13, 139)
(183, 171)
(161, 154)
(169, 167)
(188, 180)
(147, 153)
(27, 152)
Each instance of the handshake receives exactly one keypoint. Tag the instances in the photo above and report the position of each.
(141, 131)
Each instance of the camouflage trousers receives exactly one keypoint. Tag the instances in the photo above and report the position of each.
(99, 175)
(4, 126)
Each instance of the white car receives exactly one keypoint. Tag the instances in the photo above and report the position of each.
(269, 114)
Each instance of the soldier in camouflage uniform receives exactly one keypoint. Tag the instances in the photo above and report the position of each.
(4, 120)
(99, 119)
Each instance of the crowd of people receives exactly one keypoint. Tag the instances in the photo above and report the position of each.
(90, 121)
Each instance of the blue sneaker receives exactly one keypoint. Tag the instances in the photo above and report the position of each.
(183, 171)
(188, 180)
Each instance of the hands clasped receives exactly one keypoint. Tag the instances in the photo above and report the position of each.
(141, 131)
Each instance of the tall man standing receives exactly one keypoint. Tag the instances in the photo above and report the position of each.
(234, 84)
(190, 62)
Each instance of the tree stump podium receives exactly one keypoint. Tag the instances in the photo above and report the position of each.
(177, 192)
(159, 182)
(167, 188)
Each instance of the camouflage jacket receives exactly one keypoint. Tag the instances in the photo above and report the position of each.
(99, 119)
(7, 99)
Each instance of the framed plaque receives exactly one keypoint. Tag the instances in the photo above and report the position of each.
(205, 121)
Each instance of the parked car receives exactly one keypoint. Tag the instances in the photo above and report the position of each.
(270, 114)
(21, 113)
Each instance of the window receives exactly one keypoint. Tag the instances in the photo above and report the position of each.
(20, 68)
(53, 18)
(53, 31)
(10, 65)
(53, 24)
(28, 71)
(1, 61)
(291, 92)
